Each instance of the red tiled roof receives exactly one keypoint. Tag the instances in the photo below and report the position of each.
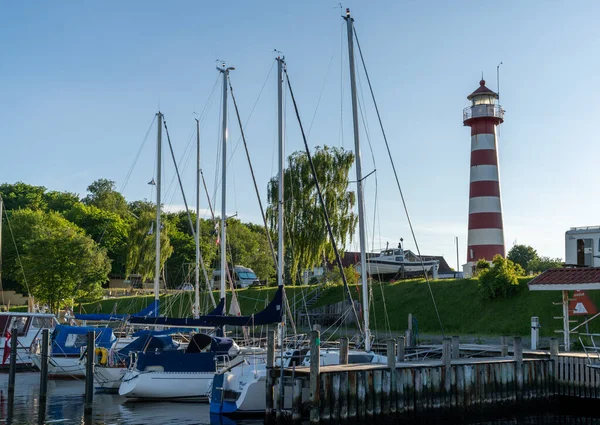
(482, 89)
(567, 279)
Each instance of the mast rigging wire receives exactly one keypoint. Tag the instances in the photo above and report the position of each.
(262, 210)
(189, 216)
(322, 202)
(398, 184)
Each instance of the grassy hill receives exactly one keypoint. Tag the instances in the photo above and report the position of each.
(461, 309)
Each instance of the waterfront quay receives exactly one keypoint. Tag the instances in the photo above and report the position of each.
(452, 384)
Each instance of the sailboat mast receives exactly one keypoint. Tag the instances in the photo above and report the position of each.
(197, 268)
(225, 72)
(359, 183)
(1, 215)
(280, 211)
(158, 183)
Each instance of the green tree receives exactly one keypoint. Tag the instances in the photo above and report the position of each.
(57, 259)
(141, 243)
(60, 201)
(522, 255)
(307, 242)
(500, 280)
(107, 228)
(541, 264)
(103, 194)
(247, 245)
(184, 248)
(20, 195)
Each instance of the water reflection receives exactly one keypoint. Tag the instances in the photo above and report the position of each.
(65, 405)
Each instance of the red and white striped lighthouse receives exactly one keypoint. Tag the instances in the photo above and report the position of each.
(486, 233)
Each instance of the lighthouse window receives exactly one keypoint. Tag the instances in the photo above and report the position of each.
(483, 100)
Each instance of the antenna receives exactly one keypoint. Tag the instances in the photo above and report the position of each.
(498, 81)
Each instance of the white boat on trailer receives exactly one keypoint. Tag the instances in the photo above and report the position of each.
(394, 263)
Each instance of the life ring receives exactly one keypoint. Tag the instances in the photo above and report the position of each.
(103, 354)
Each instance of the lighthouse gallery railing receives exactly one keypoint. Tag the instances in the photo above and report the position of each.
(477, 111)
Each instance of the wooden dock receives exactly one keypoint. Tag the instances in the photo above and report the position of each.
(365, 392)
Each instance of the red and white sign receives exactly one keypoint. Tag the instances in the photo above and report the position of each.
(581, 305)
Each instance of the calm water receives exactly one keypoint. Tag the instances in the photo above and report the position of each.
(65, 405)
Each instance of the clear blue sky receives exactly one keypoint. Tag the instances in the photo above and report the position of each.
(80, 83)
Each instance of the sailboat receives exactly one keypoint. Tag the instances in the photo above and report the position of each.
(188, 374)
(242, 390)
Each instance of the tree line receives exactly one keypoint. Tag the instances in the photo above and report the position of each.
(59, 246)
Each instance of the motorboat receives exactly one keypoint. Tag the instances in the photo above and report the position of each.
(29, 328)
(396, 263)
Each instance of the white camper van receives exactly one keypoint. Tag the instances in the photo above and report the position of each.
(582, 246)
(243, 277)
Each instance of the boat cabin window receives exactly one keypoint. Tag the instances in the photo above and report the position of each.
(21, 323)
(42, 322)
(398, 252)
(76, 340)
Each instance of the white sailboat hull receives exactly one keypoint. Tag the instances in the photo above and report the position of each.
(109, 378)
(61, 367)
(166, 385)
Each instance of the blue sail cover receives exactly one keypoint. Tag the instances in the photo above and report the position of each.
(68, 340)
(150, 311)
(271, 314)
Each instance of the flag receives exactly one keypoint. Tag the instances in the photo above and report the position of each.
(7, 337)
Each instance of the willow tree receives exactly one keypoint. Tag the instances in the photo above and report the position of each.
(306, 239)
(141, 245)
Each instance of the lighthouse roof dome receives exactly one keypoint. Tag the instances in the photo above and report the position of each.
(482, 89)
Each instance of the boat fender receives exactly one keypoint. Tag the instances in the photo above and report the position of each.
(102, 356)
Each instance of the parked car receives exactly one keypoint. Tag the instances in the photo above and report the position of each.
(186, 287)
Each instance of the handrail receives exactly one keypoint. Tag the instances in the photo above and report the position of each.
(483, 110)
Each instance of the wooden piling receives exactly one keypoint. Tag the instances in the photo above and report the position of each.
(44, 366)
(446, 352)
(277, 401)
(315, 368)
(503, 346)
(12, 368)
(400, 349)
(344, 386)
(455, 347)
(518, 356)
(343, 350)
(553, 367)
(297, 402)
(89, 372)
(391, 364)
(269, 376)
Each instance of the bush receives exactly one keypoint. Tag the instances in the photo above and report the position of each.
(500, 280)
(333, 277)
